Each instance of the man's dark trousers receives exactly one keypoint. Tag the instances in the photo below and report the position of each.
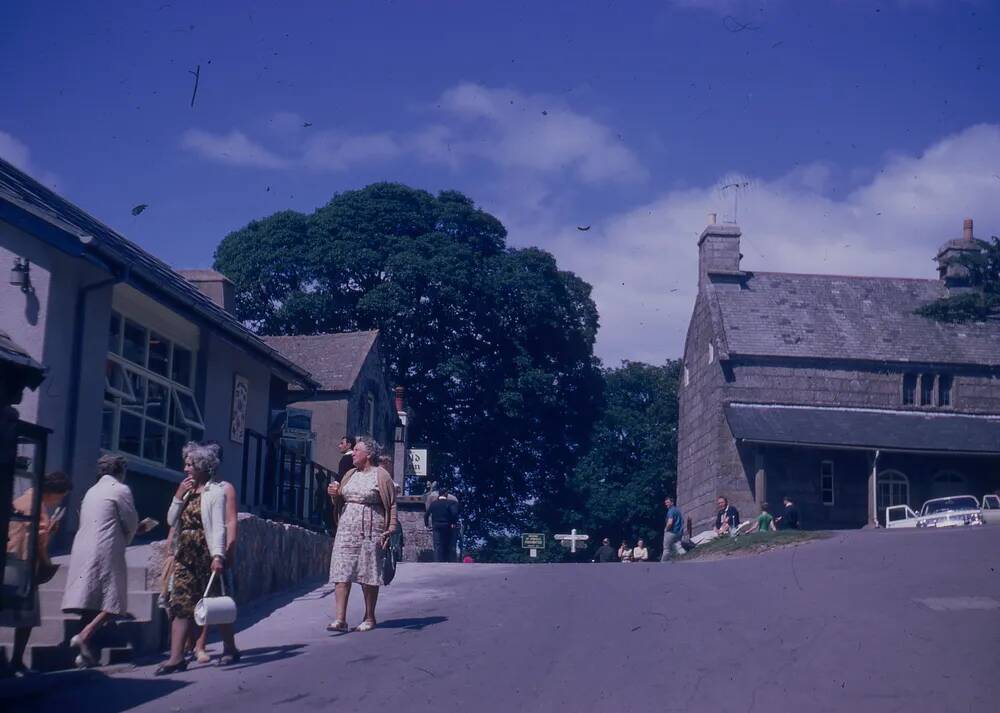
(444, 543)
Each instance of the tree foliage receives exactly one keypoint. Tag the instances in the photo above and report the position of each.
(980, 303)
(617, 489)
(494, 344)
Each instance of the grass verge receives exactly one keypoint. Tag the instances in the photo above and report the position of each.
(751, 544)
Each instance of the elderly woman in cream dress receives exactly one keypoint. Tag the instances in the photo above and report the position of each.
(364, 505)
(97, 582)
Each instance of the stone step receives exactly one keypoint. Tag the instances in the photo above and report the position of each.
(140, 603)
(46, 657)
(136, 579)
(58, 627)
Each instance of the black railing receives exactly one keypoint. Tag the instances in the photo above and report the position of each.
(280, 484)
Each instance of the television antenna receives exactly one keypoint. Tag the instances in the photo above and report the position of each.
(736, 188)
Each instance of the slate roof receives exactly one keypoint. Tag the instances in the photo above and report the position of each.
(833, 316)
(334, 360)
(864, 428)
(35, 206)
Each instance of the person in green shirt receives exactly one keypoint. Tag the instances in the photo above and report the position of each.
(765, 522)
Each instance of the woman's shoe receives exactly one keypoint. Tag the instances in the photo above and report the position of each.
(337, 625)
(86, 657)
(366, 625)
(229, 658)
(201, 656)
(165, 669)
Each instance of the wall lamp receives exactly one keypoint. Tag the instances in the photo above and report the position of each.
(20, 275)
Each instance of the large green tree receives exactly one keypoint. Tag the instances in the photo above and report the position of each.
(494, 344)
(617, 488)
(982, 302)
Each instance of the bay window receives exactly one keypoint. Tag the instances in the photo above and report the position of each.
(150, 411)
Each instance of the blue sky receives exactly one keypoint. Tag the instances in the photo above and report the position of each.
(866, 130)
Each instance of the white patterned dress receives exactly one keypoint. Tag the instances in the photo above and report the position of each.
(357, 556)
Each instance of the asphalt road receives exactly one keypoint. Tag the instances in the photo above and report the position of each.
(866, 621)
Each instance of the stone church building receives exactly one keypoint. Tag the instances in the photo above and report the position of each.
(831, 390)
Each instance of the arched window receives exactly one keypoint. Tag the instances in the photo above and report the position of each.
(947, 483)
(893, 488)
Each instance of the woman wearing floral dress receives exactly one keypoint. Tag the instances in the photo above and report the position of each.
(364, 503)
(197, 514)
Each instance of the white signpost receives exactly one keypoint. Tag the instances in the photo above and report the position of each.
(573, 539)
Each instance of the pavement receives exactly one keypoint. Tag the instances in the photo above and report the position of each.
(876, 621)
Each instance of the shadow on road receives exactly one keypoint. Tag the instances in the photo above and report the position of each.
(266, 654)
(65, 690)
(413, 624)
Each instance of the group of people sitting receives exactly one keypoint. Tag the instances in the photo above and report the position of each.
(727, 519)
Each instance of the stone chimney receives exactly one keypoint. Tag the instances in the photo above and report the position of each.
(213, 285)
(718, 249)
(951, 267)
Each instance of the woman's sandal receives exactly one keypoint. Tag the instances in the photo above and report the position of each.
(165, 669)
(201, 656)
(366, 625)
(337, 625)
(86, 659)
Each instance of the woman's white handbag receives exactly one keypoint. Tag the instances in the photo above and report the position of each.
(212, 611)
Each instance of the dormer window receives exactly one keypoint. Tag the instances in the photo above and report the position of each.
(927, 390)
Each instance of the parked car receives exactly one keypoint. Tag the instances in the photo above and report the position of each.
(991, 509)
(954, 511)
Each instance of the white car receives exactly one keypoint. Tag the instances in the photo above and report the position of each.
(954, 511)
(991, 509)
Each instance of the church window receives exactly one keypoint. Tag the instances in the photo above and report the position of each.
(826, 481)
(711, 353)
(944, 390)
(687, 376)
(909, 389)
(927, 389)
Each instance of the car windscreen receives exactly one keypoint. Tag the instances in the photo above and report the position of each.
(936, 506)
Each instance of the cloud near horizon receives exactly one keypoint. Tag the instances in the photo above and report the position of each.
(510, 130)
(18, 154)
(643, 262)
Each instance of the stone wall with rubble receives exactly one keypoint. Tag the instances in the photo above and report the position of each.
(418, 541)
(270, 557)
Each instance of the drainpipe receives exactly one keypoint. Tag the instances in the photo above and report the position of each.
(72, 415)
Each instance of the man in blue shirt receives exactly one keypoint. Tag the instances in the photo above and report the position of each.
(672, 532)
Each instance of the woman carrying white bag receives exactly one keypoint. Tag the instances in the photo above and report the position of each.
(198, 516)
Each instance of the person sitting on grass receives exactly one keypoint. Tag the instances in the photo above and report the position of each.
(727, 518)
(765, 521)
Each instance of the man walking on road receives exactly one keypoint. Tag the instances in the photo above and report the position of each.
(672, 531)
(442, 515)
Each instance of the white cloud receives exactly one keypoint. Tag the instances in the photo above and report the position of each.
(234, 148)
(512, 131)
(891, 226)
(535, 133)
(17, 153)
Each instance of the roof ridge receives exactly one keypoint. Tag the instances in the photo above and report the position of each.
(769, 273)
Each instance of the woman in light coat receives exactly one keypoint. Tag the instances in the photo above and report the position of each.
(198, 516)
(97, 582)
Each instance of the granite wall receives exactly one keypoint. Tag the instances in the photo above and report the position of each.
(271, 557)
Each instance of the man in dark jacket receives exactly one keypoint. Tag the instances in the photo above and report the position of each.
(727, 519)
(346, 448)
(605, 553)
(442, 517)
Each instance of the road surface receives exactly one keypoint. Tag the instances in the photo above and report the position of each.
(865, 621)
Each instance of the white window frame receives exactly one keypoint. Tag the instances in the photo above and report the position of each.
(687, 376)
(711, 353)
(133, 405)
(826, 491)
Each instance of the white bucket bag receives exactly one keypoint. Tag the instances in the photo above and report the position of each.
(212, 611)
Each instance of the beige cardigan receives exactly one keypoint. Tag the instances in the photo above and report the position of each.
(386, 492)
